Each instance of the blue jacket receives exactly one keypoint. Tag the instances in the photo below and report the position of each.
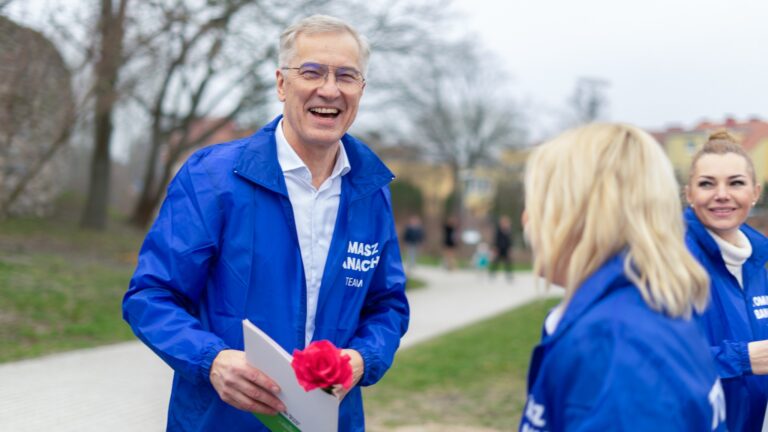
(614, 364)
(224, 247)
(734, 318)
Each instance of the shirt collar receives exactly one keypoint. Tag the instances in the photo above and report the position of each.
(732, 254)
(290, 161)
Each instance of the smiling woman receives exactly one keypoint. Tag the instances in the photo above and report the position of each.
(722, 187)
(721, 191)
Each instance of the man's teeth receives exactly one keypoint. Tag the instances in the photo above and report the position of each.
(324, 110)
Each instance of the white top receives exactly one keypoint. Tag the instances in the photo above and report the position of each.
(314, 211)
(734, 256)
(553, 319)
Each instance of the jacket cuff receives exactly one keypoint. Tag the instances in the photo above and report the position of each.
(371, 367)
(207, 357)
(743, 353)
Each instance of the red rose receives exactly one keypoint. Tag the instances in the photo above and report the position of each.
(322, 365)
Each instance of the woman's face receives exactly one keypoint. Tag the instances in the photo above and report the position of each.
(721, 192)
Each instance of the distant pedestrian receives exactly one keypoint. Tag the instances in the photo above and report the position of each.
(502, 245)
(482, 257)
(449, 242)
(413, 237)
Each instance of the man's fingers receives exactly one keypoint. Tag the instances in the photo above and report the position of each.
(244, 386)
(259, 394)
(244, 402)
(261, 379)
(338, 391)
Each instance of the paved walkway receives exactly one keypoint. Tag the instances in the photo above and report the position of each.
(125, 387)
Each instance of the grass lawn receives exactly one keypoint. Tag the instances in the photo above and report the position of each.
(414, 284)
(475, 376)
(61, 288)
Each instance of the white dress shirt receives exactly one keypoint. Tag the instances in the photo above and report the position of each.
(314, 211)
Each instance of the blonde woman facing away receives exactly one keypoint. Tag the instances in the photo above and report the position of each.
(721, 190)
(621, 352)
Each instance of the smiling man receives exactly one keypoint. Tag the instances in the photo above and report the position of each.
(265, 228)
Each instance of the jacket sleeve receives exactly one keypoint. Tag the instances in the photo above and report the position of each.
(385, 313)
(162, 301)
(731, 359)
(731, 356)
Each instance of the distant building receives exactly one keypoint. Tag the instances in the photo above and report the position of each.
(433, 178)
(681, 144)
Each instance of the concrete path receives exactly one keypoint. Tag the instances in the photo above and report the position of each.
(125, 387)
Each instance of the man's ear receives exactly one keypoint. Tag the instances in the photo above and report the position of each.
(280, 79)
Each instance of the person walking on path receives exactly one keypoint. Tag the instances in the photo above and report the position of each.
(449, 242)
(502, 247)
(413, 238)
(291, 228)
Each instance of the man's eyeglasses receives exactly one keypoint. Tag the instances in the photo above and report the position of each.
(347, 78)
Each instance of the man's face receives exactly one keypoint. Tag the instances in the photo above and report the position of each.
(318, 112)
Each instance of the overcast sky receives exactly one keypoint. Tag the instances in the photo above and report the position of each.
(666, 62)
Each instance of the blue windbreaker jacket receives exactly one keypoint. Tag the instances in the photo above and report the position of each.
(735, 317)
(224, 248)
(614, 364)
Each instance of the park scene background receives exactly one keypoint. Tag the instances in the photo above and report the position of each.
(102, 101)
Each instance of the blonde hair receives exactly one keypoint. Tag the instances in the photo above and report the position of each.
(601, 189)
(319, 24)
(720, 143)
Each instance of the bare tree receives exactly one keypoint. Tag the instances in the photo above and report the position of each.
(224, 54)
(588, 101)
(111, 31)
(459, 111)
(184, 62)
(202, 67)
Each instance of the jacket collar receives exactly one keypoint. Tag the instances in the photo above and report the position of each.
(759, 241)
(258, 163)
(604, 280)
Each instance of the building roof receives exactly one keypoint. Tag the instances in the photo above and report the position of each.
(750, 132)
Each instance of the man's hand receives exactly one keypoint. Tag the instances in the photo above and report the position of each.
(358, 367)
(244, 386)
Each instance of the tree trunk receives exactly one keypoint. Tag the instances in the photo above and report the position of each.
(145, 206)
(144, 211)
(95, 211)
(111, 28)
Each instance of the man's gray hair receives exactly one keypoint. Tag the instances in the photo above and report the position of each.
(319, 24)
